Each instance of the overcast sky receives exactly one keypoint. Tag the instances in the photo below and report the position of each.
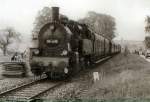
(129, 14)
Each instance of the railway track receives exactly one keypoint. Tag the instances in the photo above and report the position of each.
(29, 91)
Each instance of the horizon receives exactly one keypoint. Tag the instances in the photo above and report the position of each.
(129, 15)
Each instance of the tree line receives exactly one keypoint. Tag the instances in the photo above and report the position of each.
(8, 36)
(100, 23)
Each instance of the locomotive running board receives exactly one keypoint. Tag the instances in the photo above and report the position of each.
(103, 59)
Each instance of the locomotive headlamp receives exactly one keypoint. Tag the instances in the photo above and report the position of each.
(66, 70)
(55, 41)
(54, 63)
(48, 41)
(64, 52)
(36, 51)
(52, 27)
(63, 65)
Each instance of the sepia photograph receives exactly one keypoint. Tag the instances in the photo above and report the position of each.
(74, 51)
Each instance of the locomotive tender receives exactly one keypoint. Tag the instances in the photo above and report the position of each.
(63, 47)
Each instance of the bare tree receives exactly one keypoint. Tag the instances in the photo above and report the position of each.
(101, 23)
(7, 37)
(42, 18)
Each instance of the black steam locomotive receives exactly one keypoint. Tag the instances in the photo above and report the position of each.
(63, 47)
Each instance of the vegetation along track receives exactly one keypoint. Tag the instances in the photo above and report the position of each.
(29, 91)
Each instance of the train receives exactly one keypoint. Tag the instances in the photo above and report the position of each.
(63, 47)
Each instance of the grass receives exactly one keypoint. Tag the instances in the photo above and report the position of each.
(122, 77)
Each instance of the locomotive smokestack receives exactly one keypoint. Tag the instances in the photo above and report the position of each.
(55, 13)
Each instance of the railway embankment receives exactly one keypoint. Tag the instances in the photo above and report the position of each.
(120, 77)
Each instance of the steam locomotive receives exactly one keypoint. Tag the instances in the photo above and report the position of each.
(63, 47)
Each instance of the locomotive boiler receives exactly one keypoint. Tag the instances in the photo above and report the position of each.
(63, 47)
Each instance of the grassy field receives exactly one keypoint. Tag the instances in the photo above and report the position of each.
(121, 77)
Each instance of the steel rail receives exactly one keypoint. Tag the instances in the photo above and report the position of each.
(21, 86)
